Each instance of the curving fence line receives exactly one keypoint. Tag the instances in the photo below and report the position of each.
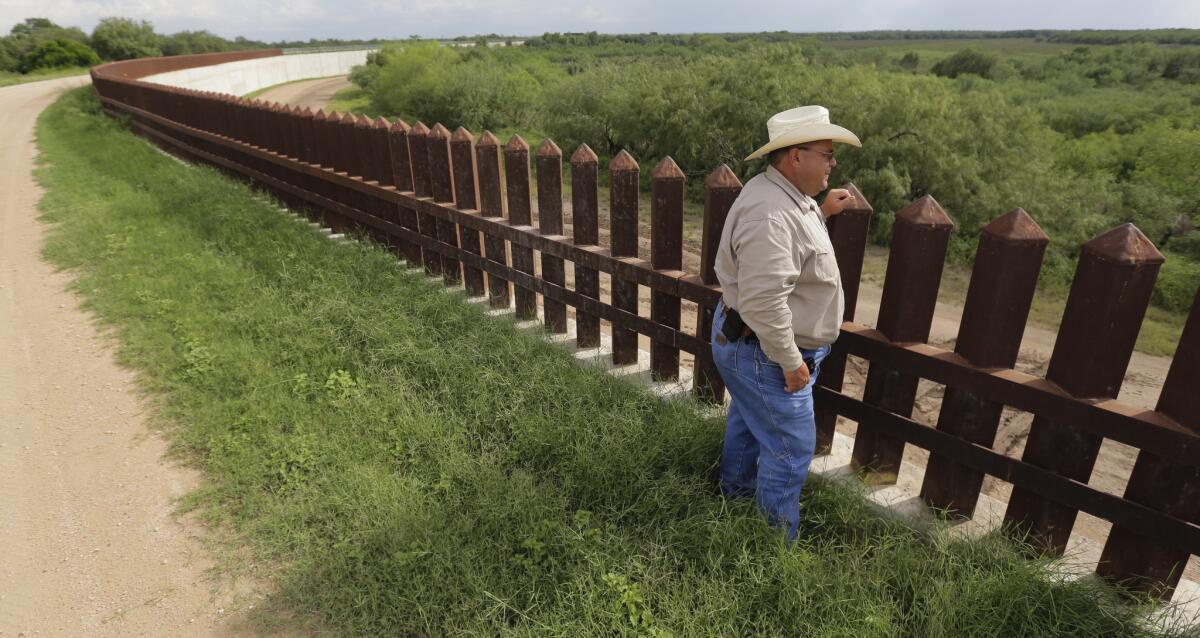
(463, 209)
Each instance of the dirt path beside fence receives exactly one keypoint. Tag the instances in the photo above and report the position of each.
(90, 545)
(314, 94)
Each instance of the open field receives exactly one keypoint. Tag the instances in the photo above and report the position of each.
(1028, 46)
(410, 467)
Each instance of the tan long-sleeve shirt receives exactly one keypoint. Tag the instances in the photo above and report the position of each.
(777, 269)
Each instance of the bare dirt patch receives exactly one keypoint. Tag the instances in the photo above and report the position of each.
(314, 94)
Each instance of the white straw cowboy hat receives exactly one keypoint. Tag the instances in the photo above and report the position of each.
(802, 124)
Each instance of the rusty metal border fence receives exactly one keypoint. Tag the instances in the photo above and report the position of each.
(462, 209)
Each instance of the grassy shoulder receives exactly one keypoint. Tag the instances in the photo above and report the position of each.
(352, 99)
(414, 468)
(10, 79)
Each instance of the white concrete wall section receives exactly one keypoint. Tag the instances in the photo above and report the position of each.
(247, 76)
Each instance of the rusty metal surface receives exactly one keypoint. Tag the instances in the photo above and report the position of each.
(666, 254)
(623, 182)
(1003, 281)
(1071, 494)
(133, 69)
(418, 150)
(721, 189)
(550, 222)
(848, 234)
(585, 230)
(1104, 311)
(466, 187)
(914, 272)
(1164, 485)
(441, 186)
(520, 213)
(491, 205)
(402, 179)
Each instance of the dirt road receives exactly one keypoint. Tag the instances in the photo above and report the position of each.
(90, 545)
(311, 93)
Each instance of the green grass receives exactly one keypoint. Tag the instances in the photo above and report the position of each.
(409, 467)
(10, 79)
(352, 99)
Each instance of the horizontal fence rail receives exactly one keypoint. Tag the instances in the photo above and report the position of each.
(468, 210)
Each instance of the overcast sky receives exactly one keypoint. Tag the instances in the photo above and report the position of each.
(304, 19)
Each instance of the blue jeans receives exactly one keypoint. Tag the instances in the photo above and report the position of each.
(770, 433)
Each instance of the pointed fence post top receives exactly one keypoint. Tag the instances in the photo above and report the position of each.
(349, 118)
(1124, 244)
(858, 201)
(488, 139)
(623, 162)
(419, 129)
(381, 123)
(926, 211)
(400, 126)
(516, 144)
(722, 178)
(439, 132)
(548, 149)
(362, 121)
(584, 155)
(461, 134)
(666, 169)
(1016, 227)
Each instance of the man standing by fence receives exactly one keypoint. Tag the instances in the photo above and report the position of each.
(781, 308)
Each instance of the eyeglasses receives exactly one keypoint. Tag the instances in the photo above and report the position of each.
(828, 155)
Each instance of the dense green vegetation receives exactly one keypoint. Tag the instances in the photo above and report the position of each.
(321, 389)
(1084, 138)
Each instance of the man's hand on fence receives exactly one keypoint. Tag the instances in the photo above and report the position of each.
(836, 200)
(796, 379)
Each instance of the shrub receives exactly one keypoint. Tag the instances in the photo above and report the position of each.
(59, 53)
(125, 39)
(966, 61)
(1177, 283)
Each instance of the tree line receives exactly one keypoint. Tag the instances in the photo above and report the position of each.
(39, 43)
